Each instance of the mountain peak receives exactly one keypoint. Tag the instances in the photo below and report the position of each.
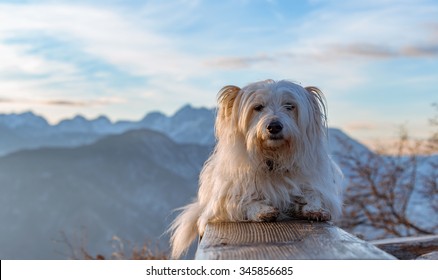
(27, 118)
(189, 112)
(79, 118)
(153, 116)
(339, 141)
(102, 119)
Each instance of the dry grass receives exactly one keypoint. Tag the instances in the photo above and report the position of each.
(121, 249)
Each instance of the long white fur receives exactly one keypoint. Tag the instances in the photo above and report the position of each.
(236, 183)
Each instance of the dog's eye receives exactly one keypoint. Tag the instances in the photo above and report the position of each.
(289, 106)
(258, 107)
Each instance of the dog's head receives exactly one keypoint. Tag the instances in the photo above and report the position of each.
(277, 122)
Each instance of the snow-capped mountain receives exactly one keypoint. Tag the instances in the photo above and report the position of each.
(338, 140)
(79, 124)
(29, 131)
(24, 120)
(188, 125)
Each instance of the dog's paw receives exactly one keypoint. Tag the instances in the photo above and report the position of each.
(268, 216)
(309, 208)
(262, 213)
(319, 215)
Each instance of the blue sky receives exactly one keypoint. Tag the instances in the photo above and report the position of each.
(375, 60)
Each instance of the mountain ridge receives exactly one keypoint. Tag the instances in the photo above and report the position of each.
(30, 131)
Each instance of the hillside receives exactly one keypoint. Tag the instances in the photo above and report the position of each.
(124, 185)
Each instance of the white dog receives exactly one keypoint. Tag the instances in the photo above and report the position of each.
(270, 161)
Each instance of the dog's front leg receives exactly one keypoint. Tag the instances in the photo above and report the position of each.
(258, 211)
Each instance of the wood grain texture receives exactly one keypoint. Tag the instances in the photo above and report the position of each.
(407, 248)
(283, 240)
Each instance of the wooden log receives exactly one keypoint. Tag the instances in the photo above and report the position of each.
(407, 248)
(429, 256)
(294, 239)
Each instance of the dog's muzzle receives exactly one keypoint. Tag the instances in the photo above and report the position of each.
(274, 129)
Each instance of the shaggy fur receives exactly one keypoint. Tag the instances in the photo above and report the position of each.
(270, 161)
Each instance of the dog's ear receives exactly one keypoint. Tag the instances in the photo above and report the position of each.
(225, 100)
(318, 104)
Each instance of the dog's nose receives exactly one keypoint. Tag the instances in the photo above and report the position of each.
(275, 127)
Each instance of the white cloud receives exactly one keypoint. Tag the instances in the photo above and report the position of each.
(336, 43)
(122, 38)
(132, 46)
(14, 60)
